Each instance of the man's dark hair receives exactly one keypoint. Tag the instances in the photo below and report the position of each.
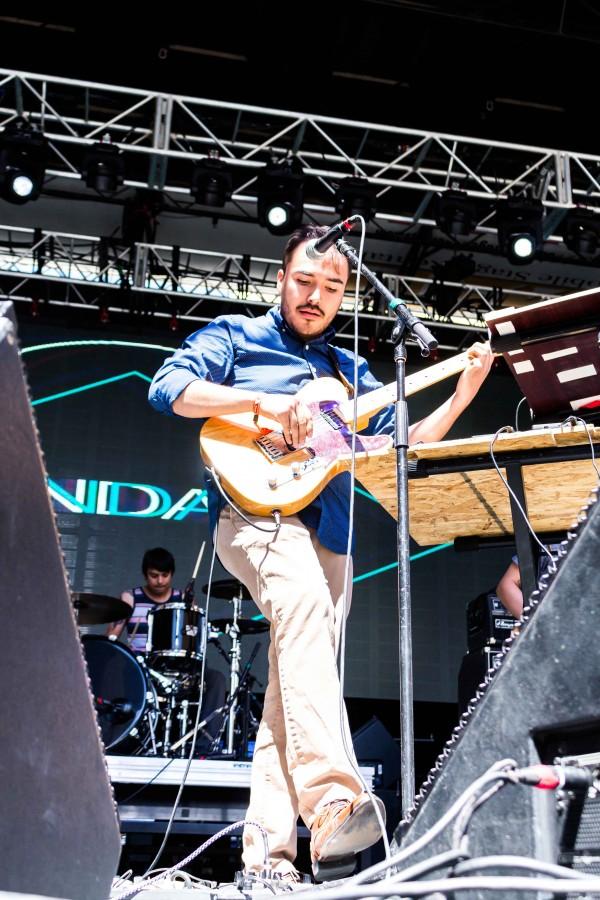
(158, 558)
(299, 236)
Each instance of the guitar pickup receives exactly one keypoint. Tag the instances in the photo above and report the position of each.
(333, 419)
(294, 472)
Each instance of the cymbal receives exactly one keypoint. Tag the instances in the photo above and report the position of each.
(227, 589)
(246, 626)
(97, 609)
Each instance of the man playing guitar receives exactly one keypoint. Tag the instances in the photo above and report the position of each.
(295, 570)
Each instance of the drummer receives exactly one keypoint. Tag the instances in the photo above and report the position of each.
(158, 567)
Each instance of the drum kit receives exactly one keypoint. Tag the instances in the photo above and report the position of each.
(147, 702)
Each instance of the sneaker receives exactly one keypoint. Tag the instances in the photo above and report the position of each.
(341, 830)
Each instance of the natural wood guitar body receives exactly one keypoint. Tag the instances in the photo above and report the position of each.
(261, 473)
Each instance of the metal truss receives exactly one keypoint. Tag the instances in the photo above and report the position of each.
(196, 285)
(162, 134)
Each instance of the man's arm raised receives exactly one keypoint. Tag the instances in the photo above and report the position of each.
(437, 424)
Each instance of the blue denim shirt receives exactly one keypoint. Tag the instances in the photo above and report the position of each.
(263, 354)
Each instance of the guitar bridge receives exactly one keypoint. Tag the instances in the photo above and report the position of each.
(272, 451)
(274, 447)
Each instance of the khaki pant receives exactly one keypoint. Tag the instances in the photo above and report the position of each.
(300, 763)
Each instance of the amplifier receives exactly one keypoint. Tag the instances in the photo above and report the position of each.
(488, 623)
(579, 820)
(473, 670)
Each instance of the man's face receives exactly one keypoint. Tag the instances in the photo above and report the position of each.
(159, 582)
(312, 290)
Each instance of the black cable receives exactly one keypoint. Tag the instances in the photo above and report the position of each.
(148, 783)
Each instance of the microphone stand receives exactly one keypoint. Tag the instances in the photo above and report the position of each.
(189, 596)
(405, 322)
(241, 682)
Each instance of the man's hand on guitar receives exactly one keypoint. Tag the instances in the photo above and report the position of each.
(293, 416)
(475, 372)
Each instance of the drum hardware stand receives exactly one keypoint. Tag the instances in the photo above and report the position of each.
(183, 721)
(152, 733)
(234, 679)
(201, 728)
(225, 711)
(168, 723)
(249, 719)
(241, 682)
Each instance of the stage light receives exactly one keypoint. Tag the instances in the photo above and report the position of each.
(140, 216)
(443, 295)
(23, 156)
(212, 181)
(519, 229)
(277, 216)
(523, 246)
(280, 196)
(103, 167)
(22, 185)
(355, 197)
(456, 213)
(582, 232)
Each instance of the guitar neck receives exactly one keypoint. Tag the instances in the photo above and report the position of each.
(371, 403)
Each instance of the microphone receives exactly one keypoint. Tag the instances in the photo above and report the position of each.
(189, 596)
(318, 247)
(251, 659)
(119, 710)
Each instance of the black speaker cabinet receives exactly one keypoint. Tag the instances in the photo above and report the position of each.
(58, 829)
(542, 702)
(373, 744)
(487, 621)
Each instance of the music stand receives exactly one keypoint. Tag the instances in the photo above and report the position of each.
(551, 348)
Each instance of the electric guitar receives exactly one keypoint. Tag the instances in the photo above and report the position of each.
(262, 473)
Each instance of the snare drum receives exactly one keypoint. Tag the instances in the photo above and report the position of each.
(176, 636)
(125, 699)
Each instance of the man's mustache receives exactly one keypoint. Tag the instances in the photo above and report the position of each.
(314, 309)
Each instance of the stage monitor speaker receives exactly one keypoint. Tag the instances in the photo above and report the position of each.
(59, 835)
(374, 744)
(541, 702)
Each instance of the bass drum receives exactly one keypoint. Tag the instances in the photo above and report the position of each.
(124, 698)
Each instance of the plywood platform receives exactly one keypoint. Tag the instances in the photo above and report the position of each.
(475, 502)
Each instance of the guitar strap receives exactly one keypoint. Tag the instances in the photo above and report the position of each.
(341, 377)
